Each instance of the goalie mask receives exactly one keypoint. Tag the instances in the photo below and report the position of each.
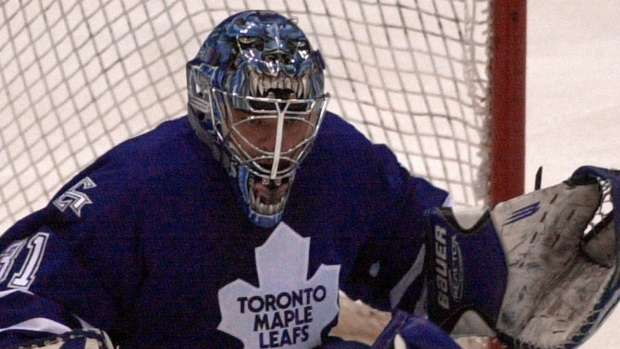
(256, 99)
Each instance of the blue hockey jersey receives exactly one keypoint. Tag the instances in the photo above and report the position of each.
(149, 244)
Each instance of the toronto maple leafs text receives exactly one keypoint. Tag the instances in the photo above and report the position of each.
(284, 318)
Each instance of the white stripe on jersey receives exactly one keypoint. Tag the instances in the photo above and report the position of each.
(39, 325)
(412, 274)
(8, 292)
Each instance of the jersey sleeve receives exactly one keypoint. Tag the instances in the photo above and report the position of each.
(61, 268)
(389, 270)
(44, 287)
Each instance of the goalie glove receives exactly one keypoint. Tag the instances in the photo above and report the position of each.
(77, 339)
(540, 270)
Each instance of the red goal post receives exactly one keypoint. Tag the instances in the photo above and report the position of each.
(507, 105)
(442, 82)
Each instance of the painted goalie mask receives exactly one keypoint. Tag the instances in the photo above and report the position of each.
(256, 99)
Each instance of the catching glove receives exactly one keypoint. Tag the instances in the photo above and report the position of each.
(540, 270)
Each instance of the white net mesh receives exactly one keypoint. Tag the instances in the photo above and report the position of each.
(78, 77)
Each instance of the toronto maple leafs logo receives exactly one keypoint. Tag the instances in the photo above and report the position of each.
(74, 198)
(286, 311)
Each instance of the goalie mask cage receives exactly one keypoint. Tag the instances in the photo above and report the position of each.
(442, 82)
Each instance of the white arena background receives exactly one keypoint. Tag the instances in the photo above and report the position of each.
(573, 99)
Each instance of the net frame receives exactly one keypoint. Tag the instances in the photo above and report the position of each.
(441, 82)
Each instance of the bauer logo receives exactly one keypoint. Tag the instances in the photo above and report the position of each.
(287, 309)
(441, 267)
(448, 268)
(523, 213)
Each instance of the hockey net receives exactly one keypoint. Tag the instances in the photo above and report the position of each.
(440, 81)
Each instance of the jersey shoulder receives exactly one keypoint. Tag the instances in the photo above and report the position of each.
(168, 151)
(343, 151)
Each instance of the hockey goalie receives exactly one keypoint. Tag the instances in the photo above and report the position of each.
(236, 226)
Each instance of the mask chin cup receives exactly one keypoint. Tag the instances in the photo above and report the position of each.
(265, 221)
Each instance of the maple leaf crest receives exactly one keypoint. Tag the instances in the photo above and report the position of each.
(286, 310)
